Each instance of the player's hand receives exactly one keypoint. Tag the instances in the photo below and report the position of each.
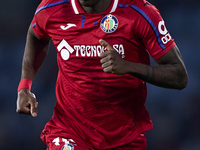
(27, 103)
(111, 61)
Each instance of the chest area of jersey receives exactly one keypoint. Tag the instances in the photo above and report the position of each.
(89, 28)
(79, 35)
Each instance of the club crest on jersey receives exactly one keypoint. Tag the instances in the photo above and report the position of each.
(68, 147)
(109, 23)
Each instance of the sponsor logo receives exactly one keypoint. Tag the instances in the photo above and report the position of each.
(166, 37)
(85, 50)
(109, 23)
(69, 25)
(65, 49)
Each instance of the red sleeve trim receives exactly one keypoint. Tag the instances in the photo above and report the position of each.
(163, 52)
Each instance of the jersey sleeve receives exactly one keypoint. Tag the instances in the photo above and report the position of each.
(39, 21)
(153, 32)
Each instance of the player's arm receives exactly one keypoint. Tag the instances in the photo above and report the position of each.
(169, 73)
(36, 50)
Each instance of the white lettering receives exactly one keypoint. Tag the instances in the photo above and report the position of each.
(162, 28)
(90, 50)
(93, 51)
(119, 48)
(166, 38)
(77, 48)
(99, 50)
(116, 47)
(82, 50)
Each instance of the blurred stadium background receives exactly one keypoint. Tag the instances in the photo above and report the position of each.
(175, 114)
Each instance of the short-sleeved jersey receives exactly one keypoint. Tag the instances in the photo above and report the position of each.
(105, 109)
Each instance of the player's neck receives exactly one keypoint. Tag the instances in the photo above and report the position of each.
(100, 7)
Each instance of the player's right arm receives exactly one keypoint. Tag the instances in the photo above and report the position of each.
(36, 50)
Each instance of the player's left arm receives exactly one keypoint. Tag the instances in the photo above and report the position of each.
(170, 71)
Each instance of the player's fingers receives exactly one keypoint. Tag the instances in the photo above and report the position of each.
(105, 44)
(33, 105)
(23, 107)
(105, 57)
(24, 110)
(108, 69)
(106, 64)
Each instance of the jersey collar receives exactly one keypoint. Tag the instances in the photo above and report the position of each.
(79, 10)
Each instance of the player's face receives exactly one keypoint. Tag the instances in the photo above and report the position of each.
(89, 3)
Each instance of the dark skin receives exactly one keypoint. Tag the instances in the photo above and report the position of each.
(36, 50)
(95, 6)
(170, 71)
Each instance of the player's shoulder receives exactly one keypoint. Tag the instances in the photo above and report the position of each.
(138, 3)
(49, 5)
(52, 2)
(141, 6)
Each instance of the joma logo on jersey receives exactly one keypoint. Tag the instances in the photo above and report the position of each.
(85, 50)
